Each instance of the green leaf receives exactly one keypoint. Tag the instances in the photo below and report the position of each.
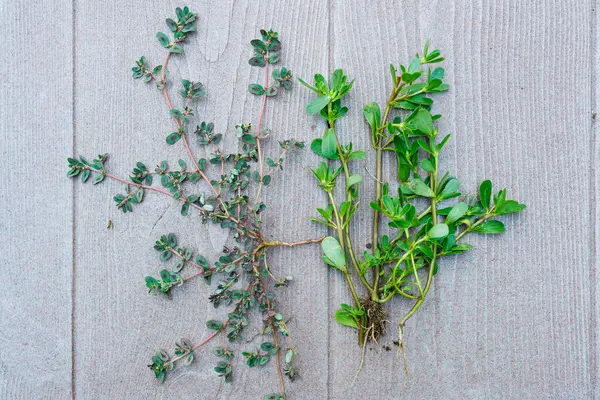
(509, 207)
(419, 188)
(263, 360)
(214, 325)
(345, 318)
(171, 24)
(266, 180)
(353, 180)
(485, 192)
(271, 91)
(189, 359)
(85, 175)
(163, 39)
(427, 165)
(165, 275)
(185, 209)
(414, 65)
(357, 155)
(257, 61)
(373, 115)
(423, 122)
(457, 212)
(333, 251)
(317, 105)
(248, 138)
(97, 179)
(490, 227)
(176, 49)
(256, 89)
(438, 231)
(450, 189)
(173, 138)
(329, 145)
(258, 45)
(315, 146)
(274, 58)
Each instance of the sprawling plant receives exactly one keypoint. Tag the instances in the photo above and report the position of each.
(422, 226)
(233, 184)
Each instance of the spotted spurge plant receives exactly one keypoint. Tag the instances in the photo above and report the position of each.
(414, 200)
(230, 197)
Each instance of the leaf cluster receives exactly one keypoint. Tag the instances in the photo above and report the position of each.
(216, 189)
(403, 261)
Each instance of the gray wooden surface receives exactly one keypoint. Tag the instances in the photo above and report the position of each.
(516, 318)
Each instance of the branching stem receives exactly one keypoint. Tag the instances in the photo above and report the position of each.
(184, 137)
(258, 149)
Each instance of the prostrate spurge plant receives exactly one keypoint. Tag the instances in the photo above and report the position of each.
(226, 203)
(404, 261)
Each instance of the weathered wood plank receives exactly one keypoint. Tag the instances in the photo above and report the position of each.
(594, 163)
(118, 326)
(35, 200)
(515, 318)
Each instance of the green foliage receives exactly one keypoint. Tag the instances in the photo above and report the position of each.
(421, 231)
(268, 51)
(261, 357)
(333, 253)
(216, 189)
(192, 90)
(349, 316)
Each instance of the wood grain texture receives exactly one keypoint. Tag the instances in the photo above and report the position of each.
(515, 318)
(35, 200)
(118, 326)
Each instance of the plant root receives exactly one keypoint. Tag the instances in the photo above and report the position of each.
(375, 321)
(362, 355)
(373, 328)
(402, 347)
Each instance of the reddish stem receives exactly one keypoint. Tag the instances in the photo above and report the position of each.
(184, 137)
(260, 118)
(252, 234)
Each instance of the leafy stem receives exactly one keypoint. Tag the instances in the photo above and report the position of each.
(340, 231)
(395, 260)
(181, 130)
(226, 204)
(258, 135)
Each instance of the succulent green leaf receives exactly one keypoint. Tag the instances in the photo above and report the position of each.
(329, 145)
(490, 227)
(457, 212)
(423, 122)
(438, 231)
(334, 253)
(485, 193)
(353, 180)
(345, 318)
(317, 105)
(419, 188)
(372, 114)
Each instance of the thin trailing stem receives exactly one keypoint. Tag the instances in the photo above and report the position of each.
(243, 259)
(164, 192)
(277, 358)
(184, 136)
(263, 107)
